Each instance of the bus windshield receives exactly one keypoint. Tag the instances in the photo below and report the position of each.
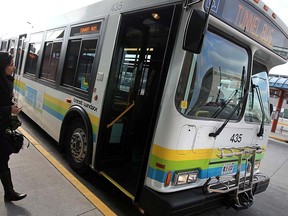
(254, 112)
(212, 83)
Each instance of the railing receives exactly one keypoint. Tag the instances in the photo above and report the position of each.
(118, 117)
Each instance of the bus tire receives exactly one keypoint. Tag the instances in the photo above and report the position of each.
(77, 146)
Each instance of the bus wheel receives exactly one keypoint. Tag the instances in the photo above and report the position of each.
(77, 146)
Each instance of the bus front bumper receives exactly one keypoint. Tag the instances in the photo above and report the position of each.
(188, 202)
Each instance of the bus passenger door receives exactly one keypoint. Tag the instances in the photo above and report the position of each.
(134, 91)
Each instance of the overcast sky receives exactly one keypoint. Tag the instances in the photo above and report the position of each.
(18, 15)
(22, 14)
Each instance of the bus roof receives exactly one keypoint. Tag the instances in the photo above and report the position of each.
(100, 9)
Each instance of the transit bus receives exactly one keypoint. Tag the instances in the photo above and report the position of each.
(167, 99)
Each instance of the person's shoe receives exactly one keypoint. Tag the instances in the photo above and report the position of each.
(10, 194)
(14, 196)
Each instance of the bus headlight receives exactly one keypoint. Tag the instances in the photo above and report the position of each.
(187, 177)
(256, 166)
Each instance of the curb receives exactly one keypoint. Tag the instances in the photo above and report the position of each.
(277, 138)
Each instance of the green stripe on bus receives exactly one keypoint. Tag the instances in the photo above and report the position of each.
(163, 164)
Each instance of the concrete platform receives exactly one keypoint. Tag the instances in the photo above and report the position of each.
(281, 132)
(49, 192)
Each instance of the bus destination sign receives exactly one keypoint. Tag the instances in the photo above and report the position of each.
(251, 22)
(92, 28)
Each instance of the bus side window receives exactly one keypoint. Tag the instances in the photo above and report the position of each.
(33, 52)
(78, 65)
(51, 54)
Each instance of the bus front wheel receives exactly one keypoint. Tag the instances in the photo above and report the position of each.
(77, 146)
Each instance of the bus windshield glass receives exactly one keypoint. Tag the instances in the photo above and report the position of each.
(254, 112)
(212, 83)
(245, 18)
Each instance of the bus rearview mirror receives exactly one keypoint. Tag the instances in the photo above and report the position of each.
(195, 31)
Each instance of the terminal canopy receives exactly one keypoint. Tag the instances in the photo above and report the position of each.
(277, 82)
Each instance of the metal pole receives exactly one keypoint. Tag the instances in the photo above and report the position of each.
(278, 109)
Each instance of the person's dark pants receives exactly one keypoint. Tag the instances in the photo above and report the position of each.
(4, 152)
(5, 174)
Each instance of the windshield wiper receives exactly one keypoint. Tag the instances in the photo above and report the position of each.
(232, 94)
(218, 111)
(261, 131)
(219, 130)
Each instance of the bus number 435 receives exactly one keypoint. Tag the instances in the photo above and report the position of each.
(236, 138)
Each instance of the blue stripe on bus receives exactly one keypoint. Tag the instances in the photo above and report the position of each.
(157, 175)
(53, 112)
(160, 175)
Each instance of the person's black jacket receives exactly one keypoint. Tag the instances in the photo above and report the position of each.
(6, 94)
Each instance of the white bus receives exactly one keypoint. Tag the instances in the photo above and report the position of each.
(167, 99)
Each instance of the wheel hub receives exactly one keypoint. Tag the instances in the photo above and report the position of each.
(78, 145)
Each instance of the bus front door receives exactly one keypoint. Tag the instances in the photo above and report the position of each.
(134, 91)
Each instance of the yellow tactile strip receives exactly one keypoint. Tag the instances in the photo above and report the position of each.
(74, 181)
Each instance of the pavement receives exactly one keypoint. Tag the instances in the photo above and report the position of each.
(281, 132)
(51, 190)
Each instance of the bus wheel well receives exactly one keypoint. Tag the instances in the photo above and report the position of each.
(75, 112)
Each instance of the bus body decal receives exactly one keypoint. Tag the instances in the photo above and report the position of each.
(176, 154)
(160, 175)
(31, 96)
(52, 105)
(177, 165)
(95, 124)
(197, 154)
(53, 112)
(59, 108)
(55, 107)
(20, 87)
(164, 160)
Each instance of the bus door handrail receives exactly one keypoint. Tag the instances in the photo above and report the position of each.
(123, 113)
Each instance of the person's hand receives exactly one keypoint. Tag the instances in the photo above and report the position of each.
(15, 109)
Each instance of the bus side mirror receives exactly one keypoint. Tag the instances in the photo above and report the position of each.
(271, 108)
(195, 30)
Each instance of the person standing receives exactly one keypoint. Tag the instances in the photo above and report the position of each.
(6, 109)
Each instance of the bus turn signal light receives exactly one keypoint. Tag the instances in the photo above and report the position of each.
(168, 179)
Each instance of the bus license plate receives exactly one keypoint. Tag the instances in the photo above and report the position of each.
(227, 168)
